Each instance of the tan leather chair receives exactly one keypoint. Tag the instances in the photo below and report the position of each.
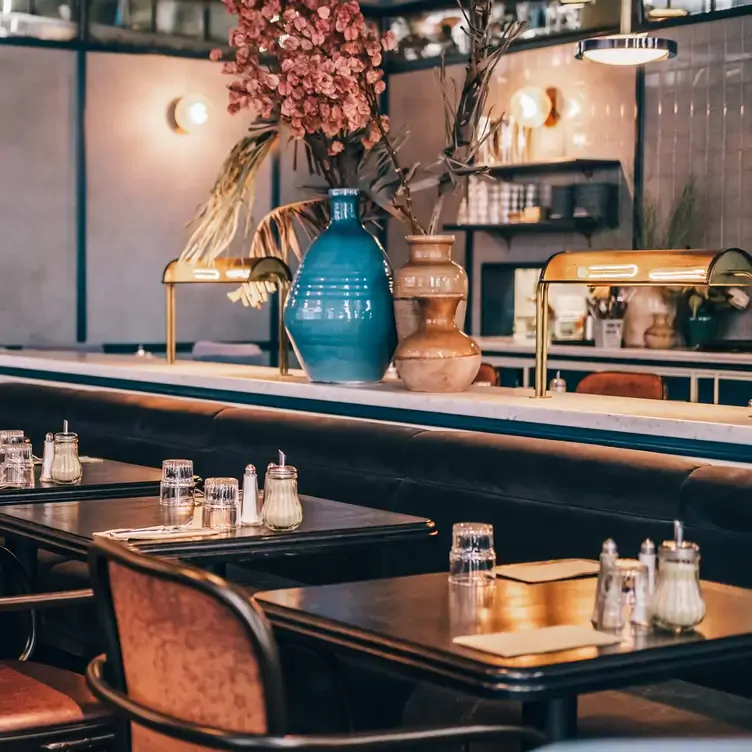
(622, 384)
(43, 707)
(201, 667)
(487, 374)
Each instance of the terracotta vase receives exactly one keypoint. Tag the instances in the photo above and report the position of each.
(429, 272)
(438, 357)
(660, 335)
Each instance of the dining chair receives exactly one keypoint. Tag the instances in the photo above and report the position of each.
(192, 664)
(622, 384)
(487, 375)
(44, 707)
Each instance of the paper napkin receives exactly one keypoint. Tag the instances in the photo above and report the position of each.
(548, 571)
(534, 641)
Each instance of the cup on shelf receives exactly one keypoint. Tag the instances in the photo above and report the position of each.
(221, 503)
(178, 485)
(472, 558)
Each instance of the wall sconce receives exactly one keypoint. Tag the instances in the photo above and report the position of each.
(626, 48)
(188, 113)
(532, 107)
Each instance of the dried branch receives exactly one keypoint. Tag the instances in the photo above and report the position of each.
(216, 223)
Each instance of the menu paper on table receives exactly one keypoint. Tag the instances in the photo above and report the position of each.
(535, 641)
(548, 571)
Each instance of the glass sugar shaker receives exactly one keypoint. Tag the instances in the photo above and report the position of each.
(678, 604)
(282, 508)
(66, 466)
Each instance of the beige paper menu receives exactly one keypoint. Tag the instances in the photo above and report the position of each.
(548, 571)
(535, 641)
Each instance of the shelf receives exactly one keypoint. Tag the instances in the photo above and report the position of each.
(586, 166)
(584, 225)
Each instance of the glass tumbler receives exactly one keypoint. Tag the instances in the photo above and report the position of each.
(221, 503)
(472, 558)
(625, 595)
(18, 467)
(178, 485)
(8, 438)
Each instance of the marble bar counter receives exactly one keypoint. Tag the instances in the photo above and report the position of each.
(713, 432)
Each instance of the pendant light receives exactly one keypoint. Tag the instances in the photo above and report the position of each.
(626, 48)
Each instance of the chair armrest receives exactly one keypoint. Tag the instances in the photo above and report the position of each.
(222, 739)
(38, 601)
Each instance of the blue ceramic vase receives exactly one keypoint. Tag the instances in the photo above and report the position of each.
(339, 313)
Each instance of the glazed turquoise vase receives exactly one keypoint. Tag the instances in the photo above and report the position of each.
(339, 313)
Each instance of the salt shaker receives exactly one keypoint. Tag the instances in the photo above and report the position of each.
(250, 510)
(609, 555)
(558, 384)
(282, 508)
(47, 458)
(678, 604)
(66, 467)
(647, 557)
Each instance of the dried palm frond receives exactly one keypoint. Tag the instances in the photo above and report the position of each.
(216, 223)
(276, 235)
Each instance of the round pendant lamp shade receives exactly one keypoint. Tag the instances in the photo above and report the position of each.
(626, 49)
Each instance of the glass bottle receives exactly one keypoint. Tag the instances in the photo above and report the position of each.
(66, 466)
(282, 508)
(678, 604)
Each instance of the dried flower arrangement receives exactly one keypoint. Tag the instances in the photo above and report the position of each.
(310, 70)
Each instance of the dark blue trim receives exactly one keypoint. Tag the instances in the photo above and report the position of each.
(275, 200)
(79, 125)
(662, 444)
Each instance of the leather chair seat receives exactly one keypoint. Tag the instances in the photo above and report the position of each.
(34, 696)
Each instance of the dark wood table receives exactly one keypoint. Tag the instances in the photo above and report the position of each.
(407, 624)
(68, 527)
(106, 479)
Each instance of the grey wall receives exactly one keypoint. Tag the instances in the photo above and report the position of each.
(144, 183)
(37, 210)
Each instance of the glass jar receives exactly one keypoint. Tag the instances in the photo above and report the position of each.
(678, 604)
(282, 508)
(66, 467)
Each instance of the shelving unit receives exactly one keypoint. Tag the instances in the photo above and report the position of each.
(583, 225)
(555, 167)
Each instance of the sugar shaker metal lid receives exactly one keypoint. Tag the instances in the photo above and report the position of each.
(281, 471)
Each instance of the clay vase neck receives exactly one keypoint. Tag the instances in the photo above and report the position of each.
(430, 249)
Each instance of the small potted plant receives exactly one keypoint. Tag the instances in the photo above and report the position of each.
(705, 304)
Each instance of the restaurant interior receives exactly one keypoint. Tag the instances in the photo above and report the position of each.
(375, 374)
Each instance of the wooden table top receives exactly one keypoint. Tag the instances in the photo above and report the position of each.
(409, 622)
(68, 527)
(100, 480)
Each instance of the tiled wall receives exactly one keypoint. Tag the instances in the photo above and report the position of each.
(698, 122)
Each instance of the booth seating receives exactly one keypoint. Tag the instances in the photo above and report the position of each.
(546, 499)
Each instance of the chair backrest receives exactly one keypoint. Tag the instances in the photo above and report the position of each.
(185, 643)
(622, 384)
(487, 374)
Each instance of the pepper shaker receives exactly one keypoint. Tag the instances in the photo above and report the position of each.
(47, 458)
(609, 554)
(250, 510)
